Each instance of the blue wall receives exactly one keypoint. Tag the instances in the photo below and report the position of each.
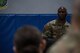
(10, 22)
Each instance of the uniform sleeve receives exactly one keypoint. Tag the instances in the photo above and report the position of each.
(68, 24)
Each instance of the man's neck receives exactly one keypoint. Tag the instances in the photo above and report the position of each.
(61, 18)
(63, 21)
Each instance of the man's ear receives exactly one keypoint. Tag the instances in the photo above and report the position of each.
(43, 44)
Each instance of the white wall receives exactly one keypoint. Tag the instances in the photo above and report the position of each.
(36, 6)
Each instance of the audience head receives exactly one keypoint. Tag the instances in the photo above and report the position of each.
(28, 39)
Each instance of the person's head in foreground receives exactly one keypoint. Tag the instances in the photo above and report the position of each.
(62, 12)
(28, 39)
(75, 20)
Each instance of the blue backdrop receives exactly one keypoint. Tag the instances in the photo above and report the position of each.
(10, 22)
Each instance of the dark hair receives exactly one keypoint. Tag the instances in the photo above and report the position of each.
(27, 39)
(62, 8)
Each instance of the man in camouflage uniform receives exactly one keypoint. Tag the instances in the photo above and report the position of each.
(56, 28)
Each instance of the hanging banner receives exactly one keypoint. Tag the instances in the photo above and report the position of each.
(3, 4)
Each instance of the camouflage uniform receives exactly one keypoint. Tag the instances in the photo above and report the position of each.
(54, 30)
